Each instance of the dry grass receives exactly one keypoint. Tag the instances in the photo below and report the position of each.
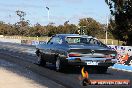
(46, 38)
(112, 41)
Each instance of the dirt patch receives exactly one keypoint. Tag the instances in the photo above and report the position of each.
(9, 79)
(14, 76)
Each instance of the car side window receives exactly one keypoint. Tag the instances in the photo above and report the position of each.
(56, 40)
(93, 41)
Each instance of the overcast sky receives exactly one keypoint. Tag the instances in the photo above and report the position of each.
(60, 10)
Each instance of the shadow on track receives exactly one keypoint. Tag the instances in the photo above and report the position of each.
(75, 69)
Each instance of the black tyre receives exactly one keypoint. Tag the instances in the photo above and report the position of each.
(37, 52)
(41, 62)
(58, 64)
(102, 69)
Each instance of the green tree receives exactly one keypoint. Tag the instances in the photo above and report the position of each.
(92, 27)
(69, 28)
(37, 30)
(51, 29)
(4, 28)
(122, 11)
(23, 25)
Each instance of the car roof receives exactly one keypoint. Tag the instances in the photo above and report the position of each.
(75, 35)
(71, 35)
(67, 34)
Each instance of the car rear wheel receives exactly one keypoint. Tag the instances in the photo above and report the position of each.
(41, 62)
(102, 69)
(58, 64)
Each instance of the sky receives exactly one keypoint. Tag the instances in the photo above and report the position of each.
(59, 11)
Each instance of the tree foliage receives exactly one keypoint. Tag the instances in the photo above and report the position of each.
(93, 28)
(23, 28)
(122, 11)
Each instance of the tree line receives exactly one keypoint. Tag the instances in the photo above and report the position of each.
(120, 26)
(89, 25)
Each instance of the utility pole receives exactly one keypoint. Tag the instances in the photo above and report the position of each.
(106, 33)
(48, 14)
(10, 19)
(106, 36)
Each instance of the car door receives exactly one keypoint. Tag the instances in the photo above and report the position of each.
(48, 49)
(54, 48)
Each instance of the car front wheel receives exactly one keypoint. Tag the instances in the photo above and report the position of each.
(102, 69)
(41, 62)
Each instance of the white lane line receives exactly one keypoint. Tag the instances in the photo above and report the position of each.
(121, 69)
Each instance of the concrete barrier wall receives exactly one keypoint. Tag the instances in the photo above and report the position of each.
(10, 40)
(122, 49)
(29, 42)
(124, 54)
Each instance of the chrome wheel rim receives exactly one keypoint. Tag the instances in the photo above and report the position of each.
(39, 58)
(57, 64)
